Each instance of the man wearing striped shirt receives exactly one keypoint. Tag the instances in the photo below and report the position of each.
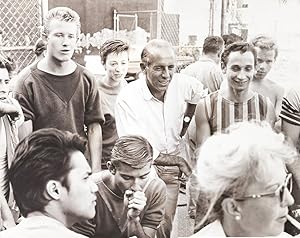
(235, 102)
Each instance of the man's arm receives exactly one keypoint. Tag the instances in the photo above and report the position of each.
(271, 115)
(202, 125)
(95, 145)
(293, 133)
(136, 202)
(174, 160)
(5, 214)
(25, 129)
(189, 113)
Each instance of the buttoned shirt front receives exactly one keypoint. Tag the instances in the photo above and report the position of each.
(138, 112)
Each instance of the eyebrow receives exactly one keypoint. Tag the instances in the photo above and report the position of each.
(128, 175)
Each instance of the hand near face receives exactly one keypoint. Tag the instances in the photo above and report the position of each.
(136, 202)
(9, 106)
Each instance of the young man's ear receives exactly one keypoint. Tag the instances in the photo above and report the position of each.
(53, 189)
(111, 167)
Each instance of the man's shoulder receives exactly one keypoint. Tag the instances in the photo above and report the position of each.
(131, 91)
(157, 185)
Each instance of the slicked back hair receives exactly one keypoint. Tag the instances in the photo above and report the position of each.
(63, 14)
(134, 151)
(112, 46)
(42, 156)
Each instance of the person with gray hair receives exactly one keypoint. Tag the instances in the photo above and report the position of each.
(58, 93)
(130, 198)
(247, 187)
(154, 107)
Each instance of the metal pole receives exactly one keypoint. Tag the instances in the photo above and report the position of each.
(158, 29)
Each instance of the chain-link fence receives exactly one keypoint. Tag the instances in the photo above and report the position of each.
(20, 27)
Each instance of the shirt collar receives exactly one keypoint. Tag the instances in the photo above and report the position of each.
(146, 92)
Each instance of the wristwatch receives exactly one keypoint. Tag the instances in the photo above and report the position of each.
(186, 119)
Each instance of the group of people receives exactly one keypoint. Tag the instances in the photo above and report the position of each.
(99, 157)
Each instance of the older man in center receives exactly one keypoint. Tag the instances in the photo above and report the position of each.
(154, 107)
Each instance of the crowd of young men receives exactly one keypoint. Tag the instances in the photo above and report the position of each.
(140, 126)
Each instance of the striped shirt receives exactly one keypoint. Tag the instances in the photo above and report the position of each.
(221, 112)
(290, 111)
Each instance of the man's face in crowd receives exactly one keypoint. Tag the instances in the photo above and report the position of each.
(4, 81)
(62, 38)
(264, 62)
(116, 66)
(240, 70)
(79, 200)
(160, 70)
(128, 178)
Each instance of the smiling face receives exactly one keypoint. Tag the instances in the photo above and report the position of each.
(116, 66)
(61, 40)
(265, 216)
(239, 70)
(126, 177)
(79, 200)
(264, 63)
(4, 82)
(160, 70)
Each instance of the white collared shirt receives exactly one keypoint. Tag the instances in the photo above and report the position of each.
(39, 226)
(138, 112)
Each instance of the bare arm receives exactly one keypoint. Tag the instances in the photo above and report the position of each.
(136, 229)
(174, 160)
(293, 132)
(271, 115)
(202, 125)
(25, 129)
(95, 145)
(278, 103)
(5, 214)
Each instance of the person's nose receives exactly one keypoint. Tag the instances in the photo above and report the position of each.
(262, 65)
(242, 75)
(66, 41)
(166, 72)
(136, 186)
(288, 198)
(94, 187)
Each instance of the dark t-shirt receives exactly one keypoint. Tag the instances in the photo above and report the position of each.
(64, 102)
(111, 216)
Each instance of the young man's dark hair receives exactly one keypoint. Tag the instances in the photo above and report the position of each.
(42, 156)
(213, 44)
(231, 38)
(112, 46)
(7, 63)
(237, 46)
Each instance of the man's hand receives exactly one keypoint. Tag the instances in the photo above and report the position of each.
(185, 167)
(8, 106)
(136, 202)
